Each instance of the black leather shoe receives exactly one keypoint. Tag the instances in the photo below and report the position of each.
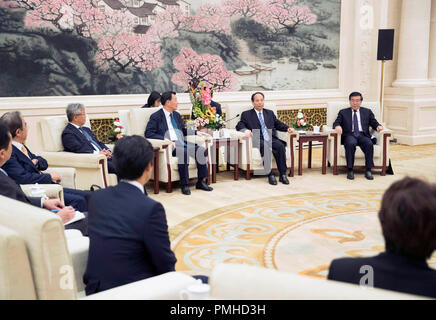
(185, 190)
(203, 186)
(272, 179)
(284, 179)
(350, 175)
(368, 175)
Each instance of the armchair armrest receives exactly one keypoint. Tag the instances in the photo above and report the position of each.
(68, 176)
(196, 139)
(78, 160)
(286, 136)
(156, 143)
(51, 190)
(166, 286)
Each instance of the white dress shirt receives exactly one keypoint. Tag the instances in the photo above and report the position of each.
(358, 120)
(96, 151)
(136, 184)
(172, 132)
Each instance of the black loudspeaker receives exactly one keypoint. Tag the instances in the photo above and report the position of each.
(385, 44)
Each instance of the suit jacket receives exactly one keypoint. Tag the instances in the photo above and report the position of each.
(391, 272)
(344, 120)
(73, 140)
(129, 238)
(157, 127)
(21, 169)
(9, 188)
(250, 121)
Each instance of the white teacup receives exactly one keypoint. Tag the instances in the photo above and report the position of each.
(315, 129)
(198, 291)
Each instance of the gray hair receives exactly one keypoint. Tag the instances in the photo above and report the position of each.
(13, 120)
(74, 109)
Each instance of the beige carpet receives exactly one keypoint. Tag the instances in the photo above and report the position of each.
(297, 228)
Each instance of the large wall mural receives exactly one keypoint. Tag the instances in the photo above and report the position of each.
(98, 47)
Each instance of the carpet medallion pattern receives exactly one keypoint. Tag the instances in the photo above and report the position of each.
(294, 233)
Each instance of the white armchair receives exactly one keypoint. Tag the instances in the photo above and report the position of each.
(167, 169)
(249, 157)
(38, 260)
(244, 282)
(90, 168)
(336, 152)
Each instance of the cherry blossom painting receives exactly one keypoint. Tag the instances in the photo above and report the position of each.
(99, 47)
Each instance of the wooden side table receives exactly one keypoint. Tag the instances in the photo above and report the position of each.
(229, 143)
(322, 137)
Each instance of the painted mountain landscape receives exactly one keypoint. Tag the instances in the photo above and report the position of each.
(99, 47)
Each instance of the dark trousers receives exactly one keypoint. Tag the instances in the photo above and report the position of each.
(110, 166)
(277, 148)
(365, 143)
(183, 154)
(78, 199)
(81, 225)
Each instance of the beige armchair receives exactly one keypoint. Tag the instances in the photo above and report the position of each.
(244, 282)
(90, 168)
(136, 121)
(249, 157)
(336, 151)
(36, 261)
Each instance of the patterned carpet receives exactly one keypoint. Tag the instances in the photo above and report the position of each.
(297, 233)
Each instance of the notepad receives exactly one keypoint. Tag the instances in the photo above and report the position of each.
(77, 217)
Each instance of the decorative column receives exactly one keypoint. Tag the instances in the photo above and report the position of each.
(414, 41)
(432, 57)
(410, 104)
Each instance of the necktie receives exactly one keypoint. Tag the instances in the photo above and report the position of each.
(90, 139)
(176, 129)
(264, 129)
(4, 172)
(23, 148)
(356, 125)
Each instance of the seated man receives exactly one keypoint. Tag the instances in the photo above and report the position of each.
(168, 124)
(407, 216)
(353, 124)
(128, 231)
(9, 188)
(79, 139)
(264, 123)
(25, 168)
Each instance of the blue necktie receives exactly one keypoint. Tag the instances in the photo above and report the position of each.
(356, 125)
(4, 172)
(176, 129)
(86, 134)
(264, 129)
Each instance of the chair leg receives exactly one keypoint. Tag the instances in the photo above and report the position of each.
(248, 173)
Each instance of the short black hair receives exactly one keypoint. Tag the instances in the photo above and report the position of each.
(5, 137)
(132, 155)
(167, 96)
(355, 94)
(408, 218)
(254, 94)
(152, 98)
(13, 120)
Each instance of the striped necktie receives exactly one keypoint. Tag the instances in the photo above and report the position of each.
(264, 129)
(176, 129)
(90, 139)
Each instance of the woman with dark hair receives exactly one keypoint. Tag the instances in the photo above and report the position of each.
(408, 220)
(153, 100)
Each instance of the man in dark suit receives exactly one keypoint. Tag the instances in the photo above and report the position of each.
(167, 124)
(25, 168)
(353, 124)
(407, 216)
(9, 188)
(128, 231)
(261, 124)
(79, 139)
